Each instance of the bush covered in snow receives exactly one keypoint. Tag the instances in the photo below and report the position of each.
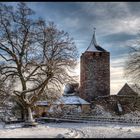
(100, 111)
(135, 114)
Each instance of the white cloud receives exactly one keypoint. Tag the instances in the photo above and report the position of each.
(117, 79)
(118, 61)
(71, 23)
(112, 17)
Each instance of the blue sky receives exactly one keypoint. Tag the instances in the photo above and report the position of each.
(117, 25)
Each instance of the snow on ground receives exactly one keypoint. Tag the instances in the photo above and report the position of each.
(72, 130)
(41, 131)
(75, 130)
(100, 111)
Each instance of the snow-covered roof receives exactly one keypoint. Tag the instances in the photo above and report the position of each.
(42, 103)
(70, 100)
(93, 46)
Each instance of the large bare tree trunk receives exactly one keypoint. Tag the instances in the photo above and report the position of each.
(30, 116)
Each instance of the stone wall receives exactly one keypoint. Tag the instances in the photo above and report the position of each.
(128, 103)
(94, 75)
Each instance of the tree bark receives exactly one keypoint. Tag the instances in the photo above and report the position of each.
(30, 115)
(29, 121)
(22, 115)
(25, 114)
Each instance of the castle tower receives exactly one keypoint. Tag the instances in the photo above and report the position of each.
(94, 71)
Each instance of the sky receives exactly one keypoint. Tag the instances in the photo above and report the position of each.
(117, 27)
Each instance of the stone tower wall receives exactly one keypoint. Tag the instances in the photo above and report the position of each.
(94, 75)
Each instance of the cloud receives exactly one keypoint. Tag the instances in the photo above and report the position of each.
(118, 37)
(117, 73)
(71, 23)
(112, 17)
(115, 22)
(117, 79)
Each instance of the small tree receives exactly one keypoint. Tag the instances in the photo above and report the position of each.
(36, 56)
(5, 90)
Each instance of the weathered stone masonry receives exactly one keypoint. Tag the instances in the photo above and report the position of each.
(94, 73)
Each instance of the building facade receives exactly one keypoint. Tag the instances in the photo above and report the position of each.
(94, 72)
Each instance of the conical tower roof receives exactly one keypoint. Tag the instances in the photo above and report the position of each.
(127, 90)
(93, 46)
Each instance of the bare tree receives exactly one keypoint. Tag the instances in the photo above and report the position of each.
(36, 56)
(132, 65)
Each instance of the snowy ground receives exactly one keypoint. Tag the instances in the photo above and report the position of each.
(71, 130)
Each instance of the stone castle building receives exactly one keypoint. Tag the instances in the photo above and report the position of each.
(94, 72)
(94, 89)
